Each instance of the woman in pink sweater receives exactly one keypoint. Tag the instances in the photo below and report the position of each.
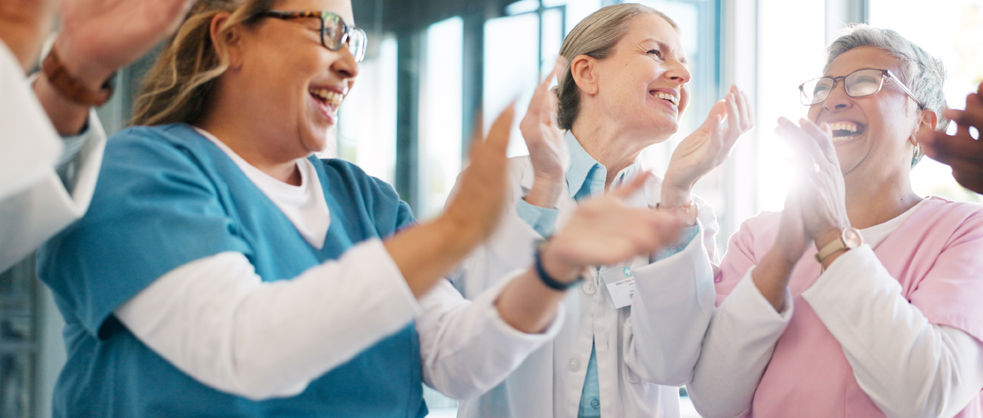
(861, 298)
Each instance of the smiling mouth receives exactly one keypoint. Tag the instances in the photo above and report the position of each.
(665, 96)
(843, 131)
(331, 98)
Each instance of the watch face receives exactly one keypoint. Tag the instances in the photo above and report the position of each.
(852, 238)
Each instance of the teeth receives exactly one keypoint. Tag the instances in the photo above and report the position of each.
(667, 96)
(843, 126)
(850, 128)
(330, 97)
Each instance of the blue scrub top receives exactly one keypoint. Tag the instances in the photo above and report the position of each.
(167, 196)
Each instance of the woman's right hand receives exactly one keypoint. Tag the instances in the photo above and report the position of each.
(604, 230)
(547, 149)
(480, 199)
(425, 253)
(707, 147)
(772, 274)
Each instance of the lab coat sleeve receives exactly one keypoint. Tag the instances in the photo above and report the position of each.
(216, 320)
(908, 366)
(671, 308)
(32, 215)
(741, 336)
(466, 347)
(510, 248)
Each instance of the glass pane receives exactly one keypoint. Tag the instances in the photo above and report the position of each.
(440, 115)
(784, 62)
(366, 132)
(510, 67)
(951, 30)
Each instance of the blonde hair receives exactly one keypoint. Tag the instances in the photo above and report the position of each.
(595, 36)
(179, 85)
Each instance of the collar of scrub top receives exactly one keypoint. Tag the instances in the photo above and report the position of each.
(586, 176)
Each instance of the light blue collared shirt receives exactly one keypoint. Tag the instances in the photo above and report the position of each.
(585, 178)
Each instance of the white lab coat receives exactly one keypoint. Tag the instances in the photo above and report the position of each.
(643, 351)
(34, 204)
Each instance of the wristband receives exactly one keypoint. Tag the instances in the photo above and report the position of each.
(544, 277)
(70, 87)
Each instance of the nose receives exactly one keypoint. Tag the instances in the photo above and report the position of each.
(678, 71)
(345, 66)
(837, 99)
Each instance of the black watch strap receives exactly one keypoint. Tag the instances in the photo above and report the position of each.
(544, 277)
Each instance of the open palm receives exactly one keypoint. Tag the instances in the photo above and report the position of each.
(99, 36)
(711, 143)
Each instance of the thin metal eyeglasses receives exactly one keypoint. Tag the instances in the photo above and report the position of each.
(860, 83)
(335, 33)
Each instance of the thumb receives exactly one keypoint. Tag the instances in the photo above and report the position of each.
(624, 191)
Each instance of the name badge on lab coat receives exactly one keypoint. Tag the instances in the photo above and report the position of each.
(620, 282)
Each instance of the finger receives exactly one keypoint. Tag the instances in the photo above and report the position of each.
(946, 149)
(749, 112)
(792, 135)
(734, 128)
(717, 113)
(823, 138)
(972, 116)
(624, 191)
(498, 136)
(979, 90)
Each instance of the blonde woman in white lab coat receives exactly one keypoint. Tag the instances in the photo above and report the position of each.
(632, 331)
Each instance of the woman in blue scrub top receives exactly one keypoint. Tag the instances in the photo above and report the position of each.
(633, 330)
(224, 271)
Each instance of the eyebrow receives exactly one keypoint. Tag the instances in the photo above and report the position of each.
(665, 48)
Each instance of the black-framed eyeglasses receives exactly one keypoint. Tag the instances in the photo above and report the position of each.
(860, 83)
(334, 31)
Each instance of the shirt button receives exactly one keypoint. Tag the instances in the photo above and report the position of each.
(574, 365)
(596, 404)
(589, 287)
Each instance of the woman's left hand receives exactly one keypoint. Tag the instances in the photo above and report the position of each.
(707, 147)
(823, 193)
(548, 151)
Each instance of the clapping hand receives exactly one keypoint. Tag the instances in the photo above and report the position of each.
(23, 25)
(707, 147)
(548, 151)
(604, 230)
(821, 187)
(98, 37)
(960, 151)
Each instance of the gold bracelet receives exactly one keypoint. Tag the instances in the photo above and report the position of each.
(688, 212)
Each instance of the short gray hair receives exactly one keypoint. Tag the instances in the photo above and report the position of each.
(595, 36)
(922, 73)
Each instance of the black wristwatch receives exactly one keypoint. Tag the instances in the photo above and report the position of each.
(544, 277)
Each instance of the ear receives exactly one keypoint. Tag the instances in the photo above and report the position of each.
(228, 42)
(582, 70)
(927, 121)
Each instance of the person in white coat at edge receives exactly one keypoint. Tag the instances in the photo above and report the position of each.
(224, 270)
(622, 88)
(46, 182)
